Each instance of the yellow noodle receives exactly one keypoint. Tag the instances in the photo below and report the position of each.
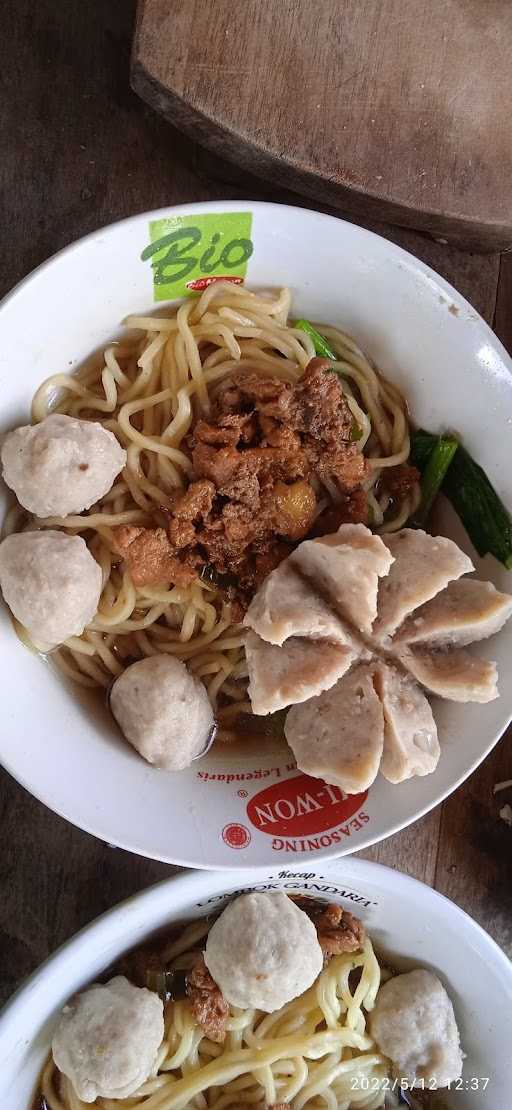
(147, 390)
(305, 1054)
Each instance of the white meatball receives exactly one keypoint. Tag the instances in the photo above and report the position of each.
(414, 1024)
(163, 710)
(263, 951)
(51, 583)
(61, 465)
(107, 1039)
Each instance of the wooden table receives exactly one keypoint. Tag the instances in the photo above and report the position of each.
(389, 109)
(78, 150)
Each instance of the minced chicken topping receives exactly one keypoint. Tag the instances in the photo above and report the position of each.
(257, 461)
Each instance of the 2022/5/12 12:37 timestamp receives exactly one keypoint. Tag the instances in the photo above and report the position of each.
(374, 1083)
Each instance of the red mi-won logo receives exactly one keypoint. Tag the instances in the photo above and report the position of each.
(300, 806)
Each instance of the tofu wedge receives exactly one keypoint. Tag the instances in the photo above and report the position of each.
(300, 669)
(411, 746)
(423, 565)
(452, 673)
(338, 736)
(345, 569)
(465, 611)
(288, 605)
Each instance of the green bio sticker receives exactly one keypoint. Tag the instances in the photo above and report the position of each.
(187, 253)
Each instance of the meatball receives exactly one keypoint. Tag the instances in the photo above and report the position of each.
(163, 710)
(263, 951)
(107, 1039)
(62, 465)
(52, 584)
(414, 1024)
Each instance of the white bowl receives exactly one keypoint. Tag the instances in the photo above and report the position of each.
(233, 810)
(406, 920)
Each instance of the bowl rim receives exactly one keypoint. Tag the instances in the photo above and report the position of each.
(105, 927)
(262, 205)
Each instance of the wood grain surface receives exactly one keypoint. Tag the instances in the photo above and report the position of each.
(78, 149)
(397, 111)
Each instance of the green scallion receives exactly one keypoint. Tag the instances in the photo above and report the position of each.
(320, 344)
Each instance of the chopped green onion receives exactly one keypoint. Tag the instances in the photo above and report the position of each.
(320, 344)
(434, 474)
(422, 445)
(482, 512)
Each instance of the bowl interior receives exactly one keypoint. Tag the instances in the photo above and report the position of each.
(409, 924)
(248, 804)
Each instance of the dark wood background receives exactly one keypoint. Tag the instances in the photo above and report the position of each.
(392, 109)
(78, 149)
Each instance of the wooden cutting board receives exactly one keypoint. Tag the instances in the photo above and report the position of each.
(399, 110)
